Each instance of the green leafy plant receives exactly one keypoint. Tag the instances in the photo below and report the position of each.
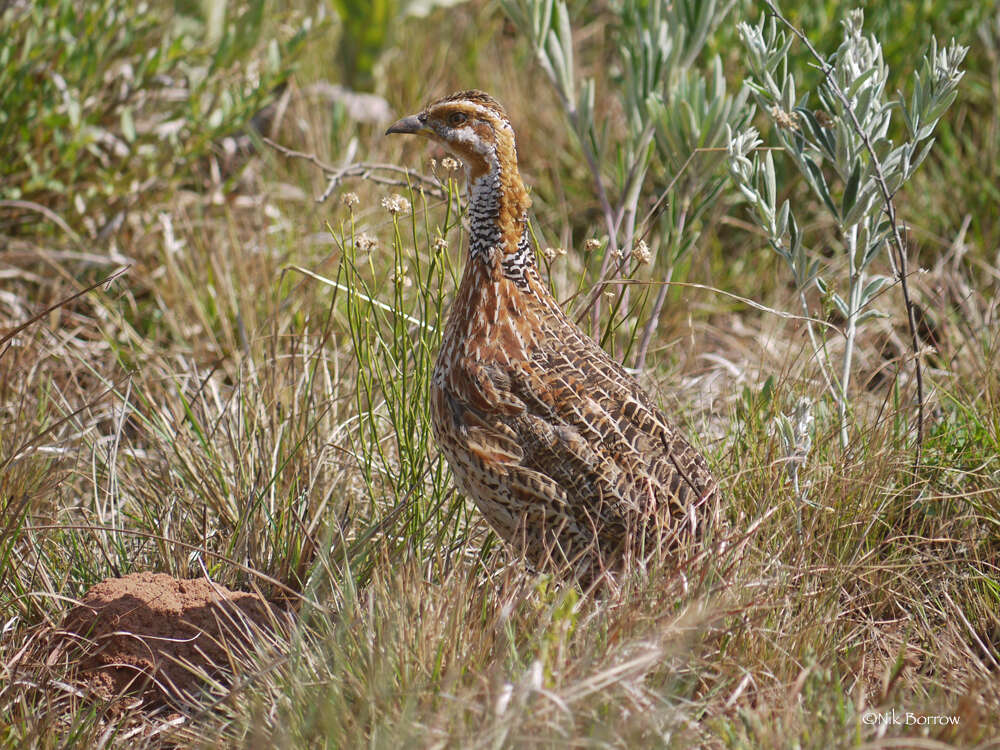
(846, 139)
(676, 116)
(104, 104)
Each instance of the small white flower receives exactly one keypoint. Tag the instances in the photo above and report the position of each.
(440, 245)
(364, 242)
(396, 204)
(450, 164)
(591, 244)
(350, 199)
(642, 253)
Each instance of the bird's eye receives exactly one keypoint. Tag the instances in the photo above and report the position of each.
(457, 118)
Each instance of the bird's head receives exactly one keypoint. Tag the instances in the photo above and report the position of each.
(472, 126)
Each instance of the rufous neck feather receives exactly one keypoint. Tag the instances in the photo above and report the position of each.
(498, 211)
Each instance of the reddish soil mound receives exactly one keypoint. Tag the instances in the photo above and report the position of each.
(135, 630)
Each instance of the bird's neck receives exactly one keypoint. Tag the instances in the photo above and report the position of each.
(498, 218)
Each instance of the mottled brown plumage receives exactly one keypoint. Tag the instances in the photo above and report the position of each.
(562, 451)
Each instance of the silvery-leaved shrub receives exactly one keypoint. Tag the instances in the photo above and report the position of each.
(671, 155)
(838, 138)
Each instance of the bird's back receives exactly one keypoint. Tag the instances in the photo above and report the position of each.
(559, 447)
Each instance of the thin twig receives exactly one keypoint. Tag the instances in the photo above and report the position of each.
(609, 218)
(661, 298)
(746, 301)
(293, 154)
(654, 317)
(606, 278)
(658, 207)
(364, 170)
(900, 266)
(55, 305)
(629, 209)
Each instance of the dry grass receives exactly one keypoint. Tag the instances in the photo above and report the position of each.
(213, 410)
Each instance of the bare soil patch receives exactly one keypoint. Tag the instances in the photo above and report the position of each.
(158, 637)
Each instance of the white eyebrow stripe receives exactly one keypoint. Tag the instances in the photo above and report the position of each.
(490, 114)
(483, 110)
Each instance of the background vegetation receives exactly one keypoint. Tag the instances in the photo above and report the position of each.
(203, 368)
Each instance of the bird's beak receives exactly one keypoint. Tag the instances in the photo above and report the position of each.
(411, 124)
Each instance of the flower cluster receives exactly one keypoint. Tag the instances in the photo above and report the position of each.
(364, 242)
(396, 204)
(642, 252)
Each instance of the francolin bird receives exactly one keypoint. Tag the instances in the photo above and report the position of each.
(562, 451)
